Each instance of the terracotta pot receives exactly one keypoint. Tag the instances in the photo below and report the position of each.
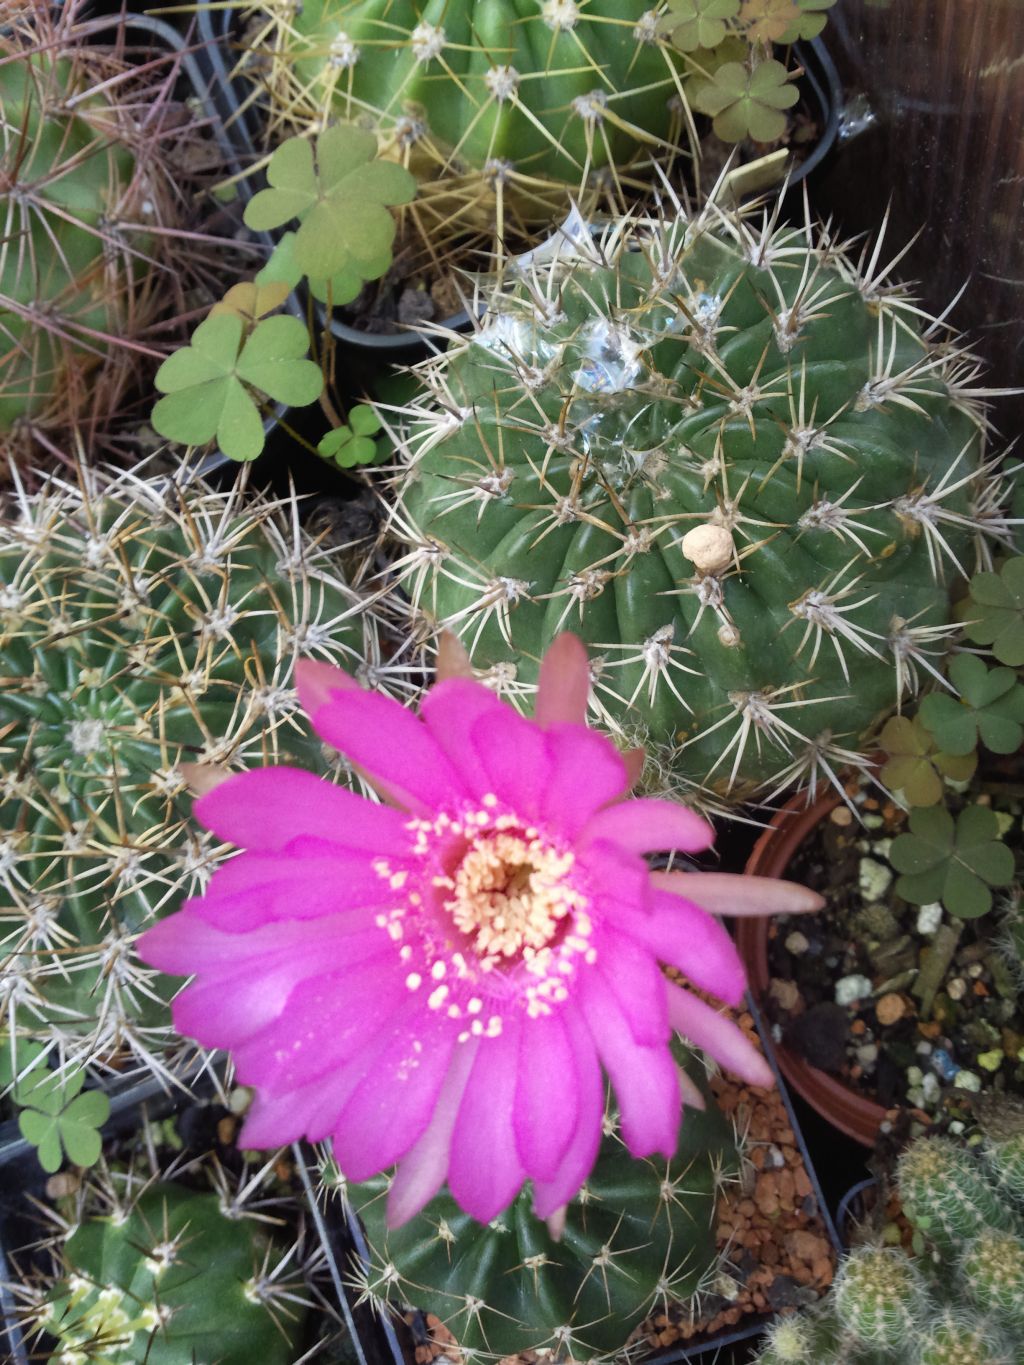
(845, 1108)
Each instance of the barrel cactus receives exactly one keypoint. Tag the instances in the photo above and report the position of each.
(142, 626)
(92, 224)
(638, 1235)
(498, 106)
(727, 457)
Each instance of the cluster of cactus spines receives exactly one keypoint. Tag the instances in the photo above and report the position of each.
(95, 221)
(501, 111)
(725, 455)
(142, 626)
(638, 1236)
(959, 1300)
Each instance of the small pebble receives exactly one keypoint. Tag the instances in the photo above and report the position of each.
(868, 1054)
(873, 821)
(851, 988)
(944, 1065)
(957, 988)
(968, 1080)
(930, 1089)
(914, 1076)
(975, 970)
(1005, 820)
(841, 816)
(797, 943)
(874, 879)
(924, 1048)
(991, 1061)
(956, 1127)
(786, 993)
(890, 1008)
(929, 917)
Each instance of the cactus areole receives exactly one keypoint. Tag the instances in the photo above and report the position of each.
(546, 88)
(728, 459)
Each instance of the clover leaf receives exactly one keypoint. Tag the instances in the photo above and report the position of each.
(56, 1119)
(994, 612)
(253, 300)
(692, 24)
(353, 444)
(340, 199)
(745, 103)
(341, 288)
(990, 708)
(810, 22)
(765, 21)
(208, 384)
(914, 767)
(952, 863)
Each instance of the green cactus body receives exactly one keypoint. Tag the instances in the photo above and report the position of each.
(946, 1195)
(138, 630)
(957, 1340)
(880, 1298)
(1007, 1160)
(993, 1264)
(175, 1280)
(639, 1233)
(69, 178)
(724, 458)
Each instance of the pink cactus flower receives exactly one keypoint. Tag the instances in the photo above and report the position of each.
(440, 981)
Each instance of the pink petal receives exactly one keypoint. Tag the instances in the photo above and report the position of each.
(686, 936)
(732, 893)
(392, 746)
(449, 711)
(564, 683)
(718, 1036)
(317, 683)
(546, 1095)
(485, 1172)
(185, 941)
(578, 1162)
(630, 972)
(587, 773)
(514, 754)
(423, 1169)
(620, 882)
(273, 1120)
(633, 761)
(644, 1079)
(257, 888)
(644, 825)
(391, 1106)
(265, 808)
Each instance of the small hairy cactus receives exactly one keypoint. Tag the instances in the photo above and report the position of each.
(140, 628)
(880, 1297)
(639, 1234)
(495, 105)
(91, 239)
(993, 1263)
(947, 1194)
(176, 1277)
(730, 461)
(956, 1340)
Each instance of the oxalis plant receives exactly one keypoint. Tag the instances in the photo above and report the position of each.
(99, 258)
(502, 111)
(247, 355)
(728, 456)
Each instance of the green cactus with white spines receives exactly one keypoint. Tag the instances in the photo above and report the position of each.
(141, 627)
(90, 257)
(960, 1301)
(501, 108)
(728, 459)
(639, 1235)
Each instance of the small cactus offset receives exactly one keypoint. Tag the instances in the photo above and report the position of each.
(140, 629)
(501, 109)
(640, 1234)
(879, 1297)
(175, 1277)
(729, 459)
(948, 1194)
(94, 219)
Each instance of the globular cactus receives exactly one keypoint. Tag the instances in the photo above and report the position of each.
(880, 1298)
(639, 1234)
(729, 459)
(501, 109)
(142, 626)
(174, 1277)
(960, 1300)
(94, 211)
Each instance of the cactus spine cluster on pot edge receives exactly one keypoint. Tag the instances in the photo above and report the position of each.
(959, 1302)
(638, 1235)
(497, 106)
(726, 456)
(141, 627)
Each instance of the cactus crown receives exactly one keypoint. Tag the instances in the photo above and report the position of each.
(727, 458)
(140, 628)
